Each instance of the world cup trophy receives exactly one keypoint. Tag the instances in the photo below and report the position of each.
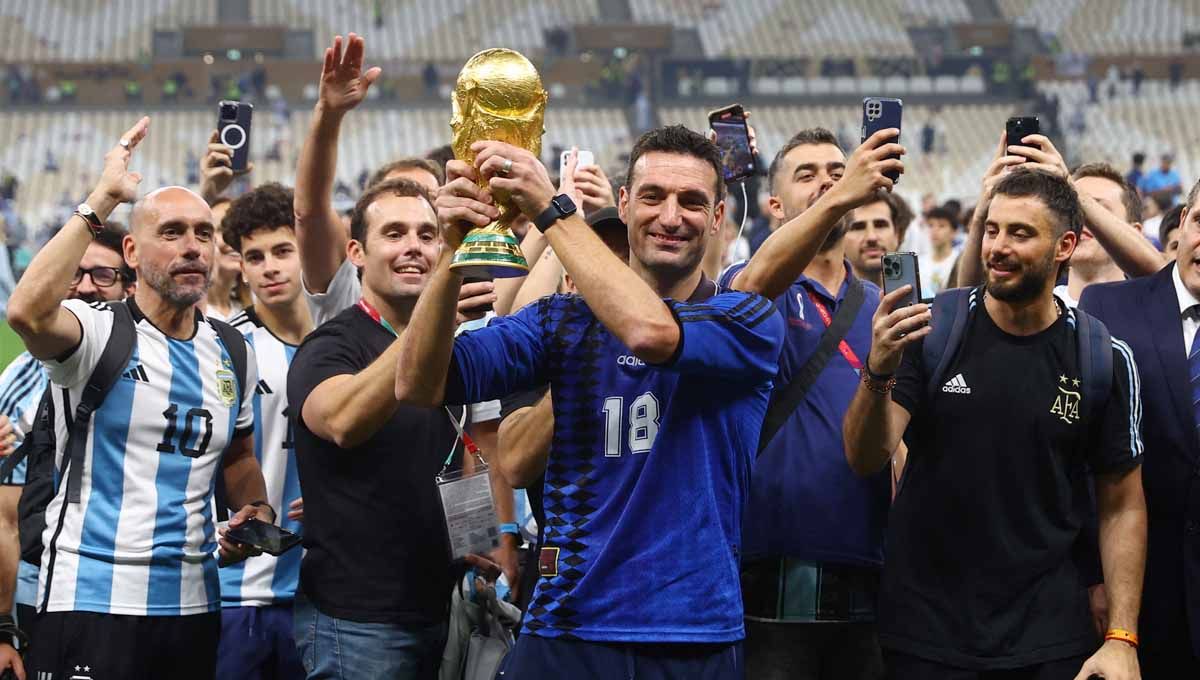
(498, 97)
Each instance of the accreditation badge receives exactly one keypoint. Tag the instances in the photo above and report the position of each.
(471, 523)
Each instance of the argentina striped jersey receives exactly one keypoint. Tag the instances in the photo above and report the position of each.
(266, 580)
(141, 541)
(21, 387)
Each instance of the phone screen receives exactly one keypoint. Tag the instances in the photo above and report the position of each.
(267, 537)
(733, 139)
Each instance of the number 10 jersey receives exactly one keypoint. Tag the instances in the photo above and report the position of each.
(141, 540)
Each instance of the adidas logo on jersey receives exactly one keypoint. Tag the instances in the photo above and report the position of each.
(137, 374)
(263, 388)
(629, 360)
(956, 385)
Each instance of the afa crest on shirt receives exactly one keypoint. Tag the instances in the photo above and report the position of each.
(1066, 402)
(226, 385)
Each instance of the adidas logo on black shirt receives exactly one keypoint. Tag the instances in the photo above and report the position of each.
(956, 385)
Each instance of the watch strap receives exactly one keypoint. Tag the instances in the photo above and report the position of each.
(554, 212)
(90, 218)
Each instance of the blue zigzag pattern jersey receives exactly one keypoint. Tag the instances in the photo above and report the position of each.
(649, 465)
(21, 387)
(142, 540)
(265, 580)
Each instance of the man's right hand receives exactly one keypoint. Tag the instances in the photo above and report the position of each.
(462, 204)
(894, 329)
(863, 178)
(344, 84)
(11, 658)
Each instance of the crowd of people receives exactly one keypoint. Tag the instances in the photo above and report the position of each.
(779, 469)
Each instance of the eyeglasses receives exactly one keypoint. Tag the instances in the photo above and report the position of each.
(101, 276)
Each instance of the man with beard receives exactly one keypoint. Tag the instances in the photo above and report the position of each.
(102, 275)
(659, 378)
(872, 230)
(809, 519)
(129, 584)
(980, 574)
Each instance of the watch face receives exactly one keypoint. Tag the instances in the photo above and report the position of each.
(564, 204)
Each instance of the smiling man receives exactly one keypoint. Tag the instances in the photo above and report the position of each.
(375, 579)
(660, 381)
(871, 231)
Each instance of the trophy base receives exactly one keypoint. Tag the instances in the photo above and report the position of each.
(490, 253)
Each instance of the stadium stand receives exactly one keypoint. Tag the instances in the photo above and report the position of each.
(1104, 27)
(92, 30)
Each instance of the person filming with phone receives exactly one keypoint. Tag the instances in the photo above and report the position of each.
(979, 573)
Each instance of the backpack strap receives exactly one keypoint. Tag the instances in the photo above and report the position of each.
(951, 309)
(113, 361)
(785, 399)
(235, 344)
(1095, 351)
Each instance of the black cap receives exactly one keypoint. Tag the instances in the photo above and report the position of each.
(605, 218)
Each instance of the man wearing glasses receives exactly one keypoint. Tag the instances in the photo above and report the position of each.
(102, 276)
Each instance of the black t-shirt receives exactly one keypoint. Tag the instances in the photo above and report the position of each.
(979, 571)
(373, 522)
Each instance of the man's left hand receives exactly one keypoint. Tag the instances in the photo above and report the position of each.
(507, 555)
(1115, 660)
(514, 171)
(8, 438)
(233, 552)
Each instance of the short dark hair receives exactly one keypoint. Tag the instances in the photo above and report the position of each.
(1169, 221)
(942, 213)
(400, 186)
(1054, 191)
(268, 206)
(112, 236)
(1139, 158)
(680, 140)
(1192, 196)
(1129, 195)
(441, 155)
(411, 162)
(813, 136)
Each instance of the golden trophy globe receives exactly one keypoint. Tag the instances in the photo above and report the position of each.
(498, 97)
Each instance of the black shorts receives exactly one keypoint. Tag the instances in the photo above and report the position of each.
(104, 646)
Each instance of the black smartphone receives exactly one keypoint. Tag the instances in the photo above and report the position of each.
(268, 538)
(479, 279)
(900, 269)
(1020, 127)
(880, 113)
(733, 139)
(233, 126)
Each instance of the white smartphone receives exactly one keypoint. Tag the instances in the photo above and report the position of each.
(586, 158)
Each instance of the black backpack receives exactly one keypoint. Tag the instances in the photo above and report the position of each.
(41, 477)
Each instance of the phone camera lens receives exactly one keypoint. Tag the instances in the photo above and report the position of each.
(228, 111)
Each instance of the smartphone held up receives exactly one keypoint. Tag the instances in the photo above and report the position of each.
(733, 139)
(881, 113)
(233, 127)
(899, 270)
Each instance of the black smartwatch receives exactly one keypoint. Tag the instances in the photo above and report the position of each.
(560, 206)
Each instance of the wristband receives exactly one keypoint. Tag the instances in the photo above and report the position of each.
(1128, 637)
(510, 528)
(877, 383)
(876, 377)
(264, 504)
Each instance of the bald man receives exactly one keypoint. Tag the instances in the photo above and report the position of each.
(129, 585)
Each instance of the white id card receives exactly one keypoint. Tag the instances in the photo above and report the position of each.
(471, 522)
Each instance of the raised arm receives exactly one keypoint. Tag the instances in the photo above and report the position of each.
(788, 251)
(319, 231)
(1123, 242)
(525, 437)
(349, 409)
(874, 423)
(970, 268)
(625, 304)
(34, 310)
(216, 169)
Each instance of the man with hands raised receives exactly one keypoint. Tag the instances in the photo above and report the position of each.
(660, 381)
(129, 584)
(1002, 430)
(810, 519)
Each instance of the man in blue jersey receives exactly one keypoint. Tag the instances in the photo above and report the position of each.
(257, 595)
(660, 382)
(129, 584)
(102, 275)
(813, 529)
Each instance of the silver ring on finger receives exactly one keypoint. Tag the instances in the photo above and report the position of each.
(125, 143)
(507, 167)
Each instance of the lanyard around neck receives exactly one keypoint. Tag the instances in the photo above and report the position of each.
(376, 316)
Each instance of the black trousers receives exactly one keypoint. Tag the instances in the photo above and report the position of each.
(905, 667)
(115, 646)
(812, 651)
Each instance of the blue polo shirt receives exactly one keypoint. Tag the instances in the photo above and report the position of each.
(1156, 180)
(805, 502)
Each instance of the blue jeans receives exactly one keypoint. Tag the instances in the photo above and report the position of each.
(339, 649)
(257, 644)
